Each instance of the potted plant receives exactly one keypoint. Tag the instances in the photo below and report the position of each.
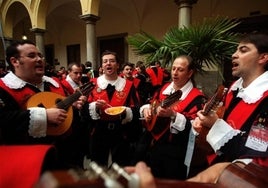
(210, 44)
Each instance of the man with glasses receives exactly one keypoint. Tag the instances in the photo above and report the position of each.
(21, 124)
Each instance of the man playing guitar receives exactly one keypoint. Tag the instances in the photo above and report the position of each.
(168, 148)
(21, 124)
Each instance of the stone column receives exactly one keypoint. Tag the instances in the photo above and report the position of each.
(6, 42)
(91, 38)
(39, 39)
(185, 14)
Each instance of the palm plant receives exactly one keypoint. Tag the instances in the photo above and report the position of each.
(209, 43)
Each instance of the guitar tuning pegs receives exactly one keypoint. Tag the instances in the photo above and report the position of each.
(132, 179)
(86, 163)
(108, 181)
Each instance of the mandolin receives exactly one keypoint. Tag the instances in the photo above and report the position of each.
(157, 126)
(50, 99)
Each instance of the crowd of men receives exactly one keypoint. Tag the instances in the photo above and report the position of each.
(163, 122)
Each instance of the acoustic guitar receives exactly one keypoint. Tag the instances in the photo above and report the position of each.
(249, 176)
(100, 177)
(157, 126)
(212, 104)
(50, 99)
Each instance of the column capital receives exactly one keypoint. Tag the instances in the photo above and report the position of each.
(37, 30)
(190, 2)
(90, 18)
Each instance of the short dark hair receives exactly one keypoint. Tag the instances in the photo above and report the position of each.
(128, 64)
(12, 51)
(108, 52)
(139, 63)
(70, 66)
(260, 40)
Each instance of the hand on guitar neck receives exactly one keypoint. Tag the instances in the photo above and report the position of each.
(212, 111)
(159, 111)
(159, 114)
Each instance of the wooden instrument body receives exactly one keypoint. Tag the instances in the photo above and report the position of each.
(250, 176)
(71, 179)
(157, 126)
(50, 100)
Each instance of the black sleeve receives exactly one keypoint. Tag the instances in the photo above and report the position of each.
(14, 120)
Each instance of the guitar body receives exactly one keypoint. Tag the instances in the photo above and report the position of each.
(159, 125)
(49, 100)
(252, 175)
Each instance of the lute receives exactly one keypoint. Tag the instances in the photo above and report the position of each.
(50, 99)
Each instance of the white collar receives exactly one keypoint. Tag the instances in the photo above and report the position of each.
(14, 82)
(254, 91)
(119, 83)
(71, 82)
(185, 89)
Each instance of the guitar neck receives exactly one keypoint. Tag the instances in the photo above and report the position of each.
(67, 102)
(74, 178)
(83, 90)
(171, 99)
(215, 100)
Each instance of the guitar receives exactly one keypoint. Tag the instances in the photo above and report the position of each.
(50, 99)
(215, 100)
(212, 104)
(251, 175)
(157, 126)
(101, 177)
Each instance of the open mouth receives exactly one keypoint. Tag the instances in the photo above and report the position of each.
(235, 64)
(108, 68)
(39, 67)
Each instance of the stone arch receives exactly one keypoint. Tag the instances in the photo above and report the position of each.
(8, 13)
(36, 11)
(39, 12)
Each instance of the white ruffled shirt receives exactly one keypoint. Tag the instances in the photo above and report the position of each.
(38, 115)
(71, 82)
(221, 132)
(119, 84)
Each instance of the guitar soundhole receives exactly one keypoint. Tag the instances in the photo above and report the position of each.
(40, 105)
(58, 100)
(61, 104)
